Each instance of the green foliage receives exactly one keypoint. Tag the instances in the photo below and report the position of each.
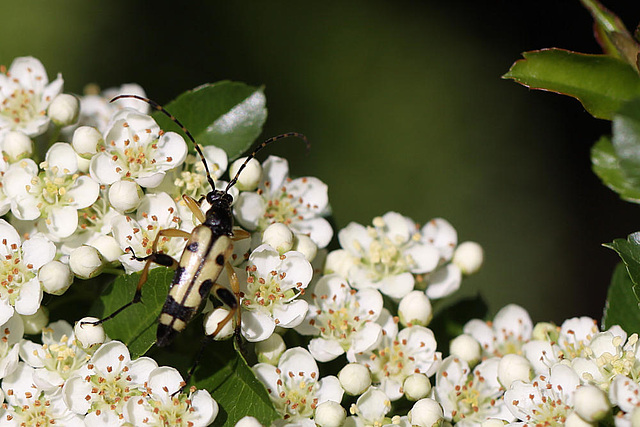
(601, 83)
(136, 325)
(226, 114)
(606, 165)
(622, 302)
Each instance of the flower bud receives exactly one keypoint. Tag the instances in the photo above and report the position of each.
(64, 109)
(426, 413)
(415, 309)
(108, 247)
(416, 386)
(303, 244)
(468, 256)
(270, 350)
(591, 403)
(86, 140)
(89, 336)
(55, 277)
(574, 420)
(354, 378)
(248, 421)
(339, 262)
(34, 323)
(466, 348)
(16, 146)
(513, 367)
(125, 195)
(279, 237)
(250, 175)
(330, 414)
(545, 331)
(213, 319)
(493, 422)
(86, 262)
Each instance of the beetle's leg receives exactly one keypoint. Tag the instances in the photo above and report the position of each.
(194, 207)
(158, 258)
(240, 234)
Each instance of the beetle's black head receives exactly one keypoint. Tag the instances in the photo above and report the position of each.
(219, 214)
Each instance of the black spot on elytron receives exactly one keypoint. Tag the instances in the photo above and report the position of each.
(174, 309)
(205, 288)
(163, 259)
(220, 260)
(193, 246)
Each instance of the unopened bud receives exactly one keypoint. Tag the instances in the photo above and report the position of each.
(468, 256)
(591, 403)
(493, 422)
(574, 420)
(303, 244)
(89, 335)
(339, 262)
(270, 350)
(248, 421)
(125, 195)
(34, 323)
(64, 109)
(55, 277)
(416, 386)
(426, 413)
(415, 309)
(279, 237)
(250, 175)
(330, 414)
(212, 321)
(86, 140)
(108, 247)
(16, 146)
(86, 262)
(466, 348)
(513, 367)
(354, 378)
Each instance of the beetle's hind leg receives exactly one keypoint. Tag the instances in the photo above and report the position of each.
(154, 257)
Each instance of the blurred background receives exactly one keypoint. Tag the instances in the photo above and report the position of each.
(405, 108)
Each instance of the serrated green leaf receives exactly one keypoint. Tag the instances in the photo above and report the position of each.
(622, 302)
(601, 83)
(606, 166)
(136, 325)
(229, 115)
(629, 251)
(626, 139)
(233, 385)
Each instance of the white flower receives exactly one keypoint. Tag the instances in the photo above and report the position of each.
(370, 409)
(25, 94)
(20, 288)
(510, 329)
(625, 394)
(96, 109)
(156, 212)
(135, 148)
(412, 350)
(299, 203)
(29, 405)
(54, 194)
(547, 400)
(468, 398)
(387, 254)
(273, 283)
(447, 277)
(161, 406)
(12, 331)
(56, 359)
(343, 319)
(102, 387)
(294, 385)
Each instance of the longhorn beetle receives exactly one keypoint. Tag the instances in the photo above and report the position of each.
(208, 249)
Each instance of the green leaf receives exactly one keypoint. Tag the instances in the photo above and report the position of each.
(136, 325)
(606, 166)
(601, 83)
(622, 302)
(226, 114)
(629, 251)
(626, 139)
(233, 385)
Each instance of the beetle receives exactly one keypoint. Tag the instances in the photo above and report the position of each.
(207, 251)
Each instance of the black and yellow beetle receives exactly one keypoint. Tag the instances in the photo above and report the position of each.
(207, 252)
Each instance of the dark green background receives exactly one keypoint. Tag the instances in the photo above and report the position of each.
(405, 108)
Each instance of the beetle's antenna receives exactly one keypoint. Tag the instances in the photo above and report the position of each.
(160, 108)
(260, 147)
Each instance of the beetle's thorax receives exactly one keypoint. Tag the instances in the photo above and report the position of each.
(219, 216)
